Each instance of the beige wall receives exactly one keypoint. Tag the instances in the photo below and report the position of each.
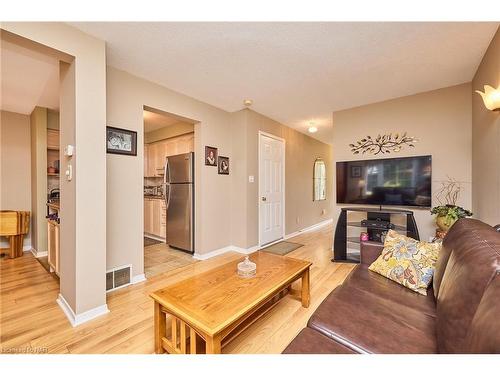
(170, 131)
(15, 170)
(440, 120)
(83, 121)
(486, 140)
(300, 153)
(127, 94)
(225, 206)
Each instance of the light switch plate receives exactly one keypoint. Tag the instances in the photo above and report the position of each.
(68, 150)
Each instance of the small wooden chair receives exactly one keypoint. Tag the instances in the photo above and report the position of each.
(15, 225)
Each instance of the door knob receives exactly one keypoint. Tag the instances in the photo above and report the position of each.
(264, 199)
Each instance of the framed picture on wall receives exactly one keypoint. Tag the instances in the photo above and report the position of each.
(211, 156)
(223, 165)
(121, 141)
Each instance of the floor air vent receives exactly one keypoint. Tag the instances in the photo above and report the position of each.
(117, 278)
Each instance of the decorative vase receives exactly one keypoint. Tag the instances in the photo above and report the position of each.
(444, 222)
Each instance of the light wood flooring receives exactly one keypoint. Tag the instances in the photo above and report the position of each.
(160, 258)
(30, 317)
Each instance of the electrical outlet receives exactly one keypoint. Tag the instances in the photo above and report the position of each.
(297, 220)
(323, 212)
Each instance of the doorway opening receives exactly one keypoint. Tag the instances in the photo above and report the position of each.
(31, 146)
(271, 188)
(169, 180)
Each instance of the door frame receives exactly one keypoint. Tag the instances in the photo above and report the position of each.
(283, 153)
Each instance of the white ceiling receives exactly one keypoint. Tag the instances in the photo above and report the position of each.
(154, 121)
(296, 72)
(28, 79)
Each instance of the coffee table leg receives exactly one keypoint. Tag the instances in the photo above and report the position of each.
(305, 288)
(213, 345)
(160, 328)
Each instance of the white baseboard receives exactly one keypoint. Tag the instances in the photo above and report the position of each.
(249, 250)
(153, 237)
(310, 228)
(138, 279)
(38, 254)
(213, 253)
(254, 248)
(77, 319)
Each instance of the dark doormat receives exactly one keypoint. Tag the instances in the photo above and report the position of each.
(282, 248)
(150, 242)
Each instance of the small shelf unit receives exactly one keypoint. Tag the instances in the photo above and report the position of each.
(346, 246)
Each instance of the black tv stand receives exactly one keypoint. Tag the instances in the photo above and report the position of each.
(388, 216)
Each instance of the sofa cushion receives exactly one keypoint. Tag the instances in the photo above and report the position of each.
(484, 332)
(473, 263)
(407, 261)
(369, 323)
(376, 284)
(309, 341)
(449, 243)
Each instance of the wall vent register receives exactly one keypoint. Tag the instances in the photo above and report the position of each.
(118, 278)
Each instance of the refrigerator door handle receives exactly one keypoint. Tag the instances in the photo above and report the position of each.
(166, 179)
(168, 196)
(165, 171)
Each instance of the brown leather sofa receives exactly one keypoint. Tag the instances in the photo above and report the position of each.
(371, 314)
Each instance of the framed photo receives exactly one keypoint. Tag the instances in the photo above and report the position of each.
(210, 156)
(121, 141)
(223, 165)
(355, 171)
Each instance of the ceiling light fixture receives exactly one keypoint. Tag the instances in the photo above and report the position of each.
(247, 102)
(491, 97)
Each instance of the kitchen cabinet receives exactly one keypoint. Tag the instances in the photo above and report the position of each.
(146, 158)
(148, 212)
(155, 217)
(154, 161)
(52, 139)
(53, 245)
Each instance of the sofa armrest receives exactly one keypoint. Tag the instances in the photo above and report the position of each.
(370, 251)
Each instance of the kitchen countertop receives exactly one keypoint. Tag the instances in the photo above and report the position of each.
(154, 196)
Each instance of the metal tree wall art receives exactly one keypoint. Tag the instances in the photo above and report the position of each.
(382, 144)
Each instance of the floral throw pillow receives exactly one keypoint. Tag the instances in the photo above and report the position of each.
(407, 261)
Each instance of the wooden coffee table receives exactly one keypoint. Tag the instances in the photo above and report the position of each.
(209, 309)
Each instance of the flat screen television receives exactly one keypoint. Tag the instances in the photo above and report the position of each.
(386, 182)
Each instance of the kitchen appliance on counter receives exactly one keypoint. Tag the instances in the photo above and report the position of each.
(153, 191)
(179, 196)
(53, 195)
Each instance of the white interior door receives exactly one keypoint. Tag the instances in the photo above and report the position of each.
(271, 188)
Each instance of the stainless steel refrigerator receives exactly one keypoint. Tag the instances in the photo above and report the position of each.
(179, 196)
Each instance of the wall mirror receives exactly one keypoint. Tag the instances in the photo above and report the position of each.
(319, 180)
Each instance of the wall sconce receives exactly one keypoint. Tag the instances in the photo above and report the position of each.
(491, 97)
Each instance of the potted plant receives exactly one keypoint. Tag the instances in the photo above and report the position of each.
(447, 213)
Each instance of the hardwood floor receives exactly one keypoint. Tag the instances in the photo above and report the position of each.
(30, 319)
